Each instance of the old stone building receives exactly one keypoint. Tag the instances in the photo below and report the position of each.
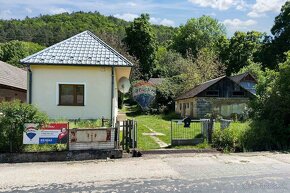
(13, 84)
(224, 95)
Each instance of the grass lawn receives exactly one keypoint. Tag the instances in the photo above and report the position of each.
(162, 124)
(156, 123)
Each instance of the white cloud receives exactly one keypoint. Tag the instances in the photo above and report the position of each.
(159, 21)
(126, 16)
(132, 4)
(5, 14)
(58, 10)
(28, 10)
(221, 4)
(167, 22)
(263, 6)
(153, 20)
(236, 23)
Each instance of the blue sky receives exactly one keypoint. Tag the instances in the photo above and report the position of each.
(236, 15)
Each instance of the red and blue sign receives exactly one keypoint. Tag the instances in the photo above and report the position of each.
(52, 133)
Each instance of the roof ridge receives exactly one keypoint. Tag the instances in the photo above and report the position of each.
(106, 45)
(212, 80)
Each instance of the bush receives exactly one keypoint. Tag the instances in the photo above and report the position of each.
(258, 138)
(12, 119)
(230, 139)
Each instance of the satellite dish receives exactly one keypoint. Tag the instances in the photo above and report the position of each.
(124, 85)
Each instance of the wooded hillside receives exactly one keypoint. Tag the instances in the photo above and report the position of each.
(47, 30)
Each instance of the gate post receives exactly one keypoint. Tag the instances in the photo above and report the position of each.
(210, 129)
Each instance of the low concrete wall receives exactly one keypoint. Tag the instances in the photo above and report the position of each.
(59, 156)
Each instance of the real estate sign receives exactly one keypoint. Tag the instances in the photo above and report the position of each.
(52, 133)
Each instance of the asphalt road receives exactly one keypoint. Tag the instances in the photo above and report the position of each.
(250, 172)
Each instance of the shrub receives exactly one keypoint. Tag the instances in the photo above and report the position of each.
(230, 139)
(257, 137)
(12, 119)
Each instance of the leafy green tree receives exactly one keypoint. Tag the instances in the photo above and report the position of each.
(1, 52)
(256, 69)
(197, 33)
(168, 63)
(271, 107)
(205, 66)
(141, 42)
(189, 73)
(12, 119)
(15, 50)
(242, 48)
(281, 32)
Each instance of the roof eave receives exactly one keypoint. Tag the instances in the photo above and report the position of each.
(56, 64)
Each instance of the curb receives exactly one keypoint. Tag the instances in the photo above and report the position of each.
(178, 151)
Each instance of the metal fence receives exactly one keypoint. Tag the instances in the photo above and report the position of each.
(197, 132)
(192, 135)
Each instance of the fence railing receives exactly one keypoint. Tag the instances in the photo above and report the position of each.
(196, 132)
(128, 134)
(190, 135)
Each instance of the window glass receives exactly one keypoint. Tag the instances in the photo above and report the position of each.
(71, 95)
(80, 94)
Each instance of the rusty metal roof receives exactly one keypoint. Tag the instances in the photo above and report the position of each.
(82, 49)
(12, 76)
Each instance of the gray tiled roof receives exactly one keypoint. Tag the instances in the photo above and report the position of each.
(82, 49)
(12, 76)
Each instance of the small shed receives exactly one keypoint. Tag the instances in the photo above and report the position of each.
(13, 83)
(77, 78)
(223, 95)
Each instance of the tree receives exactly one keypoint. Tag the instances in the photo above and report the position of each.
(190, 72)
(203, 32)
(141, 42)
(205, 66)
(12, 119)
(281, 33)
(271, 107)
(243, 47)
(15, 50)
(168, 63)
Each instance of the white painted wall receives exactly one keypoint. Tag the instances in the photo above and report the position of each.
(97, 82)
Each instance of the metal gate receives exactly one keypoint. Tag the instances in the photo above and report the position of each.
(192, 135)
(128, 134)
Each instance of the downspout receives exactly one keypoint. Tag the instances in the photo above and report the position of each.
(30, 85)
(112, 97)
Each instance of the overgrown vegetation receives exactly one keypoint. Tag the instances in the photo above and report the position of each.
(12, 119)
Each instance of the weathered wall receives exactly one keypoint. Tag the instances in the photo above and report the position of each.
(223, 106)
(185, 107)
(198, 107)
(59, 156)
(9, 94)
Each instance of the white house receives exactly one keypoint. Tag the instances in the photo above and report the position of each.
(76, 78)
